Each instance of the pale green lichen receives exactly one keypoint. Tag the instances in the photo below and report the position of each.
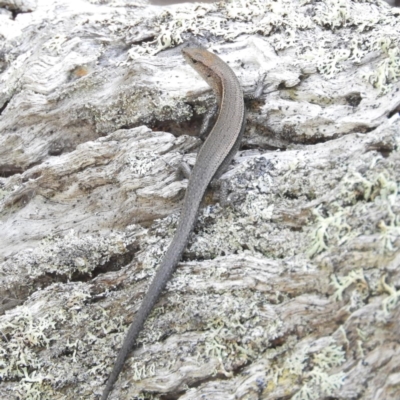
(331, 64)
(311, 369)
(390, 302)
(237, 334)
(283, 23)
(332, 13)
(332, 228)
(21, 334)
(295, 363)
(171, 25)
(388, 70)
(256, 207)
(237, 226)
(329, 357)
(342, 283)
(316, 378)
(226, 20)
(389, 235)
(32, 336)
(340, 14)
(378, 187)
(35, 387)
(354, 183)
(386, 190)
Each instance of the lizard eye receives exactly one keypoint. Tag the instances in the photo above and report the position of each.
(194, 61)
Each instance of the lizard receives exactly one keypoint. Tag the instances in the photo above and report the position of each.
(212, 160)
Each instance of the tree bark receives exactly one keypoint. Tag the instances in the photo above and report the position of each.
(290, 292)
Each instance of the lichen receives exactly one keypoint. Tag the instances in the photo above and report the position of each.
(142, 162)
(342, 283)
(390, 302)
(330, 229)
(332, 13)
(22, 333)
(314, 369)
(228, 20)
(354, 196)
(68, 255)
(59, 325)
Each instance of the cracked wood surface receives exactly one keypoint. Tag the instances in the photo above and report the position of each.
(291, 292)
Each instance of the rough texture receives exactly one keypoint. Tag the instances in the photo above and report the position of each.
(290, 292)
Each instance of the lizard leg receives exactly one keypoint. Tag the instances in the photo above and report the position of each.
(220, 186)
(257, 92)
(184, 169)
(221, 191)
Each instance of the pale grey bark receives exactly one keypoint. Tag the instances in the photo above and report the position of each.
(290, 292)
(19, 5)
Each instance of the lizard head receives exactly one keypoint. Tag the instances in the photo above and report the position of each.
(206, 65)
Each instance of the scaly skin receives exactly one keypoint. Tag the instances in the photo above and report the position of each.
(213, 158)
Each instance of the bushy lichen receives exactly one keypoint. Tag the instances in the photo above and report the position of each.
(22, 334)
(332, 228)
(83, 335)
(228, 20)
(58, 326)
(332, 13)
(314, 370)
(390, 302)
(342, 283)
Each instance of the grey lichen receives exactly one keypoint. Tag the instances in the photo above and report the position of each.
(290, 291)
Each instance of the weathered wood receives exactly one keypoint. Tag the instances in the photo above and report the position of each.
(291, 292)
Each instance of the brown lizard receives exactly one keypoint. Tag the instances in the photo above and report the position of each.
(214, 157)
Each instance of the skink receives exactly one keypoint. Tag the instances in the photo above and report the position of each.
(214, 157)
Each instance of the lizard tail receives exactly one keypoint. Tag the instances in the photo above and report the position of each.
(162, 276)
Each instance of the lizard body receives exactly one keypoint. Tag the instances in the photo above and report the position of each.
(213, 158)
